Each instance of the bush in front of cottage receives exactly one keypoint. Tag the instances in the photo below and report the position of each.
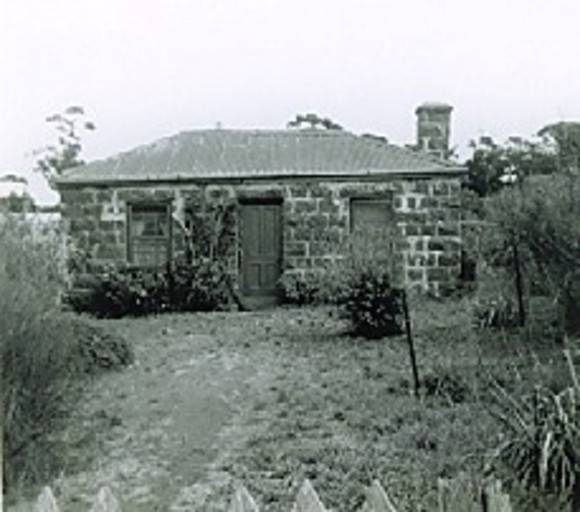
(115, 292)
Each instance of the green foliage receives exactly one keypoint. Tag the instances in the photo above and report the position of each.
(319, 286)
(37, 346)
(115, 292)
(65, 154)
(300, 288)
(566, 135)
(542, 434)
(541, 220)
(313, 121)
(99, 350)
(494, 165)
(368, 281)
(371, 304)
(210, 229)
(15, 203)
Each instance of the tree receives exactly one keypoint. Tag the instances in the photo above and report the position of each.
(494, 165)
(18, 203)
(312, 121)
(566, 136)
(65, 154)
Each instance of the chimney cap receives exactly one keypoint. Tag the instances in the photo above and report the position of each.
(434, 106)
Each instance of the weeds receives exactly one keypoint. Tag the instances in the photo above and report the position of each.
(542, 434)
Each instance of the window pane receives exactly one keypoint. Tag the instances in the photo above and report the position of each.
(149, 235)
(370, 214)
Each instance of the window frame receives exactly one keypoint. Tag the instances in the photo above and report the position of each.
(143, 206)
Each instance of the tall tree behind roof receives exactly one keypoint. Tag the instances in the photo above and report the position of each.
(54, 159)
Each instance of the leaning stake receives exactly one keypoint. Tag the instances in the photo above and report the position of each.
(411, 344)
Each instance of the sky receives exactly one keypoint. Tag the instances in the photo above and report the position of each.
(145, 69)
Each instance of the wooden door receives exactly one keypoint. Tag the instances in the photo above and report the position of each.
(261, 245)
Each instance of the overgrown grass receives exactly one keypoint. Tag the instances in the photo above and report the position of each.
(343, 412)
(42, 351)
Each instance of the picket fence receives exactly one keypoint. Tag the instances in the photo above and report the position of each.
(457, 495)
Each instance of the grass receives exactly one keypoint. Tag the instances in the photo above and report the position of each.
(342, 412)
(42, 352)
(307, 401)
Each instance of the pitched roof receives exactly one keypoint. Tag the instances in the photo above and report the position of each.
(211, 154)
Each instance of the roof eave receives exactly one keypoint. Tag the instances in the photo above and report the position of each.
(451, 171)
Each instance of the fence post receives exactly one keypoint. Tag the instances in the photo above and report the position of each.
(106, 501)
(494, 499)
(242, 501)
(46, 501)
(416, 381)
(307, 500)
(377, 499)
(456, 495)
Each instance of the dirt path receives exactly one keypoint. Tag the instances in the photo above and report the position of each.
(164, 424)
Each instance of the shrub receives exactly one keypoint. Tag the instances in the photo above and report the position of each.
(366, 279)
(203, 286)
(536, 230)
(371, 304)
(96, 349)
(312, 287)
(114, 292)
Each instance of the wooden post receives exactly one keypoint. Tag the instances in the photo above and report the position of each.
(519, 283)
(307, 500)
(46, 501)
(416, 381)
(106, 501)
(377, 499)
(242, 501)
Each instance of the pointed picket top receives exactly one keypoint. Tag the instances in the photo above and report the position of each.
(242, 501)
(307, 499)
(497, 500)
(106, 501)
(457, 495)
(377, 499)
(46, 501)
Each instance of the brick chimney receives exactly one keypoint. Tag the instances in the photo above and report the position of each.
(433, 127)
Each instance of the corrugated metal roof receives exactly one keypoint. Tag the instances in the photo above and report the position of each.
(211, 154)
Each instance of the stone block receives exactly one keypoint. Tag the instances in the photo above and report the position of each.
(317, 222)
(449, 259)
(327, 205)
(299, 190)
(448, 229)
(304, 206)
(441, 189)
(415, 274)
(421, 186)
(411, 203)
(436, 244)
(429, 202)
(296, 249)
(428, 230)
(420, 245)
(438, 274)
(412, 230)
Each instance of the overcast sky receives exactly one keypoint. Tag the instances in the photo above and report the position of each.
(146, 69)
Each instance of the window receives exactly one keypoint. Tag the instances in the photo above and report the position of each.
(370, 215)
(149, 234)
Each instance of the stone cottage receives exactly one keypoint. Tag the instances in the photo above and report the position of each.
(291, 192)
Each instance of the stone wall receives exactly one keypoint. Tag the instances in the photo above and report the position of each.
(316, 220)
